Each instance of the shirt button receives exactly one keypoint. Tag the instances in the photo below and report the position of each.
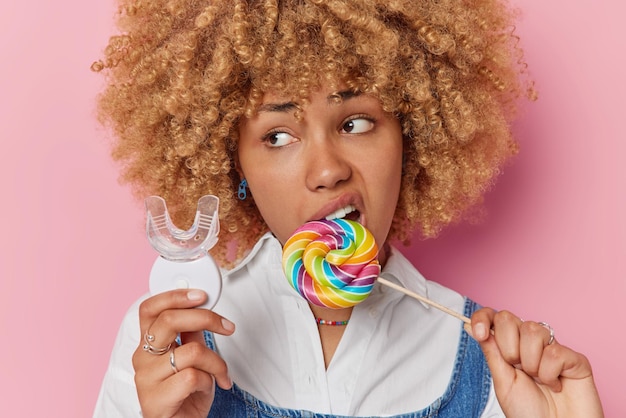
(373, 312)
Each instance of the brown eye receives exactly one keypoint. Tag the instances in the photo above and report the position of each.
(357, 126)
(278, 139)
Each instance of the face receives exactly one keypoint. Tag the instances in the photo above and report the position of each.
(339, 159)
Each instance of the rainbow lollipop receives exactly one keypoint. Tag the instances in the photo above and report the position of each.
(332, 263)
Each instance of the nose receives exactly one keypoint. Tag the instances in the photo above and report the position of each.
(327, 165)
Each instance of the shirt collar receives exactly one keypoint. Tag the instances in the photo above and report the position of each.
(253, 252)
(397, 268)
(401, 271)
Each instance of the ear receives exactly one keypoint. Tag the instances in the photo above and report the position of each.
(236, 166)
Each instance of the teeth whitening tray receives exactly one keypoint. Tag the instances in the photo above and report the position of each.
(184, 262)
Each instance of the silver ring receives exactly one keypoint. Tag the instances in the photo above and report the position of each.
(549, 328)
(147, 338)
(172, 361)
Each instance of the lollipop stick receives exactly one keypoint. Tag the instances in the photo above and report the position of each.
(425, 300)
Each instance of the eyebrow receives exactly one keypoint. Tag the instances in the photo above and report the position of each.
(341, 96)
(332, 98)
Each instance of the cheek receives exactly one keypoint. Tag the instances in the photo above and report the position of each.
(391, 193)
(260, 189)
(388, 179)
(274, 202)
(387, 172)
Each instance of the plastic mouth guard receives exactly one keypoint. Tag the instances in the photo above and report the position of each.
(184, 262)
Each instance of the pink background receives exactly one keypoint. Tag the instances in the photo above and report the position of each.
(74, 256)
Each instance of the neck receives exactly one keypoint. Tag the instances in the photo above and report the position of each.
(330, 335)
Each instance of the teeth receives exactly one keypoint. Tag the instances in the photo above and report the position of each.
(340, 213)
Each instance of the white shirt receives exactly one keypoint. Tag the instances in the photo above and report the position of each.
(395, 356)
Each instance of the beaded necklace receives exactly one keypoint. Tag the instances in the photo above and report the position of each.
(321, 321)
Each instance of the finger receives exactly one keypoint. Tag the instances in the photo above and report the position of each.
(550, 331)
(170, 323)
(502, 371)
(481, 323)
(506, 328)
(550, 367)
(196, 355)
(188, 382)
(559, 362)
(158, 368)
(151, 308)
(150, 369)
(191, 355)
(533, 338)
(167, 397)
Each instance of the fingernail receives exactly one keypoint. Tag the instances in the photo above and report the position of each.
(228, 326)
(195, 295)
(480, 331)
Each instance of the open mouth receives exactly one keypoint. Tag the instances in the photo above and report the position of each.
(348, 212)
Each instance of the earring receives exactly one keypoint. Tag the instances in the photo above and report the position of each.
(242, 193)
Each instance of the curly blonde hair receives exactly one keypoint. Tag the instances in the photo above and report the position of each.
(183, 73)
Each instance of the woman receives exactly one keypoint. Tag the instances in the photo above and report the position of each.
(393, 114)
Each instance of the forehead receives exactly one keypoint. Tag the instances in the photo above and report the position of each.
(279, 102)
(300, 91)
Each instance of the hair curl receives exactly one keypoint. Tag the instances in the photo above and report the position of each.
(183, 73)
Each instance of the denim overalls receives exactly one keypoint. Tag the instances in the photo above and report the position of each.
(466, 395)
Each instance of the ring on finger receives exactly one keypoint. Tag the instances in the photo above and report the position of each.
(173, 361)
(147, 338)
(549, 328)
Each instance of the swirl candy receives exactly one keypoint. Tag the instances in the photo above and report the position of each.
(332, 263)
